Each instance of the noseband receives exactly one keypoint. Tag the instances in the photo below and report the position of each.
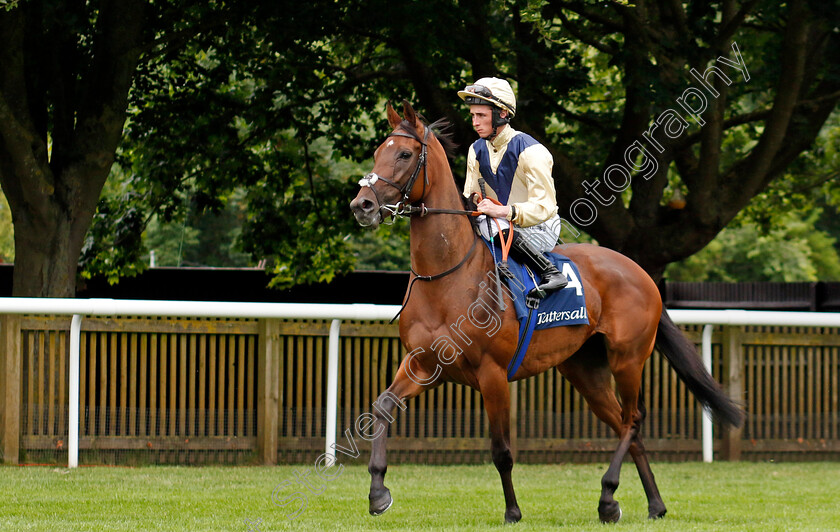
(402, 207)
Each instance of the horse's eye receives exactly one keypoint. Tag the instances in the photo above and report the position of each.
(405, 155)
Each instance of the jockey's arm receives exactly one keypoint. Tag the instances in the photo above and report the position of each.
(533, 193)
(471, 187)
(471, 182)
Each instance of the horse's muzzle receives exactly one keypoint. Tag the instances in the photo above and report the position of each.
(366, 211)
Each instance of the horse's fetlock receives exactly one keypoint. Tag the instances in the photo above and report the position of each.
(377, 470)
(609, 484)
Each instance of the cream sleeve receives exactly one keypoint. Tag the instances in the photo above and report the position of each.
(473, 173)
(533, 192)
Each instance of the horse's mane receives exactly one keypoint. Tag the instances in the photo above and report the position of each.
(440, 128)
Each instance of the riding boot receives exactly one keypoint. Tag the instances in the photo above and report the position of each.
(552, 278)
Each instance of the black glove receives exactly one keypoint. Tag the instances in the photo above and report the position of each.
(469, 203)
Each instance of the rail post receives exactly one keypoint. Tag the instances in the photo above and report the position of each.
(708, 435)
(332, 388)
(10, 383)
(268, 390)
(73, 393)
(733, 385)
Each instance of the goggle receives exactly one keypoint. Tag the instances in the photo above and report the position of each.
(481, 90)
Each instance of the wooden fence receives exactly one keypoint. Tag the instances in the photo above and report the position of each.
(254, 391)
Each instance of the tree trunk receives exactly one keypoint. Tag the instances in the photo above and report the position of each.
(50, 227)
(62, 110)
(46, 258)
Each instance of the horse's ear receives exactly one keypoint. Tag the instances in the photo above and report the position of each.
(393, 118)
(409, 114)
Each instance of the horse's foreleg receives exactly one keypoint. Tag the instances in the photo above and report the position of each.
(496, 396)
(384, 410)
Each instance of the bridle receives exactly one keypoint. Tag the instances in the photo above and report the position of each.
(405, 208)
(402, 207)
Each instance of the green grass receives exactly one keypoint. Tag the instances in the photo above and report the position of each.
(721, 496)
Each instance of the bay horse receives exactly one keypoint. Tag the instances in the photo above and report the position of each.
(410, 176)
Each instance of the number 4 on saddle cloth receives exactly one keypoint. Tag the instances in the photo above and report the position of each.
(563, 307)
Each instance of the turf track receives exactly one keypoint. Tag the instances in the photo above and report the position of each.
(721, 496)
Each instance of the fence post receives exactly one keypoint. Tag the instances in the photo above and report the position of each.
(733, 385)
(10, 382)
(708, 436)
(268, 390)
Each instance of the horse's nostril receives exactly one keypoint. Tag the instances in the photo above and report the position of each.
(367, 205)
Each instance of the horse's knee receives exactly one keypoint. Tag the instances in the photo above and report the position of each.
(502, 458)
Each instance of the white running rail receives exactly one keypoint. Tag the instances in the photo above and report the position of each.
(77, 308)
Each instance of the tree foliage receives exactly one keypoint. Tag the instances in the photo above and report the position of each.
(591, 79)
(284, 100)
(788, 232)
(67, 69)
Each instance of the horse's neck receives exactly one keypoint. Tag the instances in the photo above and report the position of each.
(440, 241)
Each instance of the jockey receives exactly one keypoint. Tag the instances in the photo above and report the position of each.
(517, 169)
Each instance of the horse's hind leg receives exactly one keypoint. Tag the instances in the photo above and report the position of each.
(402, 388)
(656, 508)
(589, 373)
(628, 377)
(494, 389)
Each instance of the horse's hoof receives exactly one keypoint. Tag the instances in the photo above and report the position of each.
(380, 501)
(512, 516)
(657, 512)
(609, 513)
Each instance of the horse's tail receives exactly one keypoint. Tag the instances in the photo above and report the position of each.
(682, 355)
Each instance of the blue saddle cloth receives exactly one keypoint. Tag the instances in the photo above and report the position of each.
(563, 307)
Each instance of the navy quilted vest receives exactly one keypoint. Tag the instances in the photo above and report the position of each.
(502, 180)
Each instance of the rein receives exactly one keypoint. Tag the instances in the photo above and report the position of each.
(403, 207)
(422, 210)
(406, 209)
(418, 277)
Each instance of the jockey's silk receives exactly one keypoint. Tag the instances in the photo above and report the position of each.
(502, 179)
(517, 169)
